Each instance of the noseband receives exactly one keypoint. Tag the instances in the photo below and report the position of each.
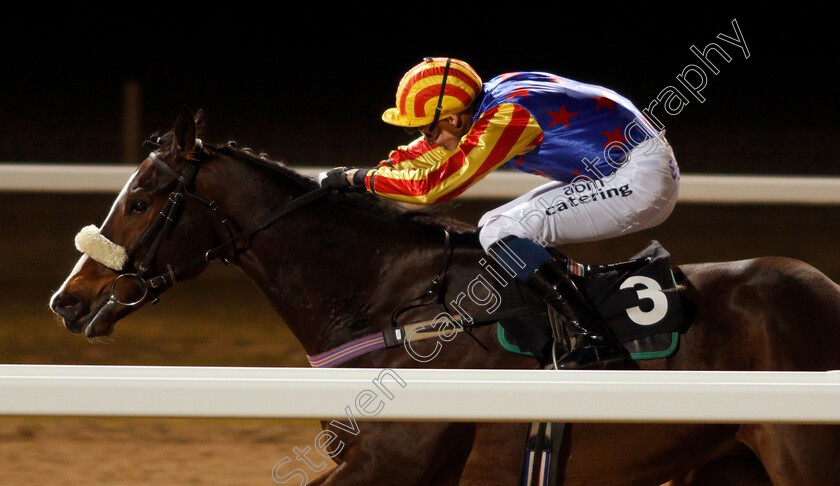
(149, 287)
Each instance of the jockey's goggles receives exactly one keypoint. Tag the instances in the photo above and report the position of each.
(429, 132)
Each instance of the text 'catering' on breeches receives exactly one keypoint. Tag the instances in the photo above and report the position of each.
(639, 195)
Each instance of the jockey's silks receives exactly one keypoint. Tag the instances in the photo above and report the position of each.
(533, 122)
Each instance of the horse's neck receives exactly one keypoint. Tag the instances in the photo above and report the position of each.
(332, 272)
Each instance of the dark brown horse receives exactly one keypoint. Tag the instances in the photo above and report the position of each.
(337, 266)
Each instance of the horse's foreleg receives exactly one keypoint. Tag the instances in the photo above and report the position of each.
(496, 456)
(740, 468)
(404, 453)
(796, 454)
(321, 479)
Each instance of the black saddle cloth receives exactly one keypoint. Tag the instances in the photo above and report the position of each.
(640, 303)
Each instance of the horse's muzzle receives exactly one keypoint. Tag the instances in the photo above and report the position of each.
(79, 317)
(70, 308)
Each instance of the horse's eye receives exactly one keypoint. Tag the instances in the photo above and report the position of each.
(139, 206)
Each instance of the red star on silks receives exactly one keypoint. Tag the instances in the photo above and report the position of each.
(561, 116)
(604, 103)
(576, 172)
(523, 92)
(614, 136)
(507, 76)
(519, 161)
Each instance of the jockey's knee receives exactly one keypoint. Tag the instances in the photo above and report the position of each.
(488, 235)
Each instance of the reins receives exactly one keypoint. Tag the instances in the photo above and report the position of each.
(167, 217)
(172, 275)
(437, 295)
(393, 335)
(437, 290)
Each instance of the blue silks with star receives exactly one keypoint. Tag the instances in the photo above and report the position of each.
(587, 129)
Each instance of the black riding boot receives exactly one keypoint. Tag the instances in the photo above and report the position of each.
(595, 344)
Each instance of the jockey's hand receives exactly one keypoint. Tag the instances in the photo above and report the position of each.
(340, 178)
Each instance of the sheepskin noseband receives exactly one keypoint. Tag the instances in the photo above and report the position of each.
(102, 250)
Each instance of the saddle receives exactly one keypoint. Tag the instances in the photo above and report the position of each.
(637, 299)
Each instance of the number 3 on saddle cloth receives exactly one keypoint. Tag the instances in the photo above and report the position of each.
(638, 300)
(642, 306)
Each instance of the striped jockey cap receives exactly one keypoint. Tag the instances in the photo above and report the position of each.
(434, 89)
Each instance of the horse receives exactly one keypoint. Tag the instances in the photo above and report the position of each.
(336, 265)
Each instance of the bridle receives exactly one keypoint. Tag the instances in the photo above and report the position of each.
(394, 333)
(160, 227)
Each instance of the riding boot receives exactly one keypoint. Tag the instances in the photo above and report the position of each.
(595, 344)
(546, 272)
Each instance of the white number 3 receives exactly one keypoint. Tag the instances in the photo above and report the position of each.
(651, 291)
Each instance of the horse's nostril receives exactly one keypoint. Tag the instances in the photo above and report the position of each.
(67, 306)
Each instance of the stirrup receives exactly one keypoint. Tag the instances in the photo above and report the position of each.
(545, 282)
(594, 343)
(553, 284)
(587, 356)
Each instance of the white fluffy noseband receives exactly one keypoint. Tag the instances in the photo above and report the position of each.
(102, 250)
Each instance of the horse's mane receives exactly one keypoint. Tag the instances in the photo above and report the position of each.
(379, 207)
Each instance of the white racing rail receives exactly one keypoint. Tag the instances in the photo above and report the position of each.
(421, 394)
(411, 394)
(713, 189)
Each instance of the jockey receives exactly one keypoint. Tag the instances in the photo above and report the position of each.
(611, 173)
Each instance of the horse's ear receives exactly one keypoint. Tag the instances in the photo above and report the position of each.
(200, 123)
(185, 131)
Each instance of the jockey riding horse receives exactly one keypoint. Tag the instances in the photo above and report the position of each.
(612, 173)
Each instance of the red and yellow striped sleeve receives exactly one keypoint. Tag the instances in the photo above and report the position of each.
(425, 174)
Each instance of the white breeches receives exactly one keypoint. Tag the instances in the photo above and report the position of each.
(638, 195)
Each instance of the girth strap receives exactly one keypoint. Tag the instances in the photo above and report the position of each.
(348, 351)
(397, 336)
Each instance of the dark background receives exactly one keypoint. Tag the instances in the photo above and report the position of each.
(309, 86)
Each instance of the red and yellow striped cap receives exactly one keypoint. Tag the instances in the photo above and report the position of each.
(420, 90)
